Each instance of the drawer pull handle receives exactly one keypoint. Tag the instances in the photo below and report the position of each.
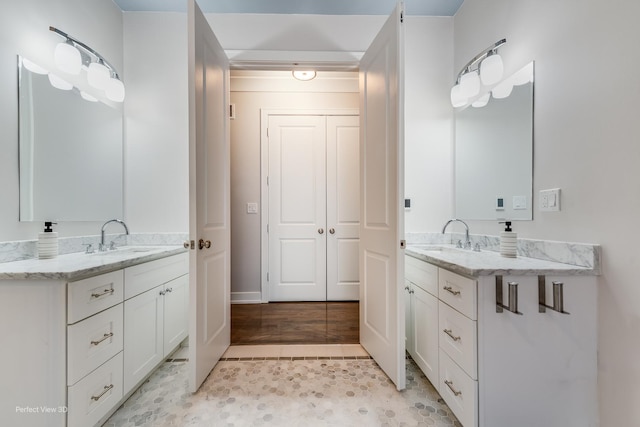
(106, 389)
(450, 289)
(449, 332)
(105, 336)
(450, 385)
(169, 290)
(105, 292)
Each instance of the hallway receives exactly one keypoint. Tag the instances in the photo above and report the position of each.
(295, 323)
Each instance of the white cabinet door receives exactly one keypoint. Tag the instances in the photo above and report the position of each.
(425, 332)
(408, 319)
(143, 335)
(176, 304)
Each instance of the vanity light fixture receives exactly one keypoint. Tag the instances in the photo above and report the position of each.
(72, 55)
(34, 68)
(486, 68)
(304, 75)
(59, 83)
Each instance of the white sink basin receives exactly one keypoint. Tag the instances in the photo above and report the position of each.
(126, 250)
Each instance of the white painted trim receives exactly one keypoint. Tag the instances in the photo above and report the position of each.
(283, 81)
(264, 172)
(283, 59)
(246, 298)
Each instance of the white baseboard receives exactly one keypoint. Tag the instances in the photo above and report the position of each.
(246, 298)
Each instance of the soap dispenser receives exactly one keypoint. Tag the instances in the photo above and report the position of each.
(48, 242)
(508, 241)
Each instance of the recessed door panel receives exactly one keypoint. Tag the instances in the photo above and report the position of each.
(209, 198)
(343, 208)
(297, 208)
(382, 194)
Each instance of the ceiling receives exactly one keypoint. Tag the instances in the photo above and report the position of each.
(311, 7)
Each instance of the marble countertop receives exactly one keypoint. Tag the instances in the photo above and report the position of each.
(489, 263)
(80, 265)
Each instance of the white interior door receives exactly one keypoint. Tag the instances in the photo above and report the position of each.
(297, 208)
(343, 208)
(209, 287)
(381, 199)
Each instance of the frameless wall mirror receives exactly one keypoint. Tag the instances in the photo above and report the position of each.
(494, 153)
(70, 151)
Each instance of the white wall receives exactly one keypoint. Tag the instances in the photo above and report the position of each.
(24, 30)
(586, 131)
(428, 122)
(156, 122)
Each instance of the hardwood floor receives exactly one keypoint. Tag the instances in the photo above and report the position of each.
(295, 323)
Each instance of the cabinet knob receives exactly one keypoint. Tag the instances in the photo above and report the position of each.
(320, 230)
(332, 230)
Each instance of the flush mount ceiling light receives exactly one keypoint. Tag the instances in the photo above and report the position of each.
(71, 55)
(304, 75)
(486, 68)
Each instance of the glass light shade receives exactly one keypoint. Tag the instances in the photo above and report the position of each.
(524, 76)
(88, 97)
(470, 84)
(457, 98)
(482, 101)
(59, 82)
(304, 75)
(502, 90)
(67, 58)
(34, 68)
(115, 90)
(491, 69)
(98, 75)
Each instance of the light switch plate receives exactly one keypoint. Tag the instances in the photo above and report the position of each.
(519, 202)
(252, 208)
(550, 200)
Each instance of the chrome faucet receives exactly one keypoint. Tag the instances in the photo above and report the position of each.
(102, 247)
(467, 241)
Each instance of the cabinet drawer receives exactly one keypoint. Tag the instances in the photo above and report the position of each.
(459, 391)
(422, 274)
(459, 292)
(459, 339)
(89, 296)
(93, 341)
(142, 277)
(96, 394)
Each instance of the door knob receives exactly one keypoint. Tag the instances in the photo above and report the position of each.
(204, 244)
(320, 230)
(332, 230)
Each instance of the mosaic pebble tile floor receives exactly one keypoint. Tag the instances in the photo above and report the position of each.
(285, 391)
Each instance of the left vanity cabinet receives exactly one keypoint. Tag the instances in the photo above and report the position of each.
(95, 337)
(74, 348)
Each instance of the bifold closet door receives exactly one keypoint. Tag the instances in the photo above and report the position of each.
(343, 208)
(297, 208)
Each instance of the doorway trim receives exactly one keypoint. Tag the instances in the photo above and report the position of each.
(264, 172)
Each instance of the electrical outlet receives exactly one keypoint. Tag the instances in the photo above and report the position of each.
(550, 200)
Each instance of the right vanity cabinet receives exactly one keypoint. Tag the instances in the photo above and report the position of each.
(503, 350)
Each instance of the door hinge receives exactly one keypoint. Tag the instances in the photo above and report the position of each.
(267, 276)
(403, 244)
(267, 228)
(402, 16)
(267, 132)
(232, 111)
(267, 181)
